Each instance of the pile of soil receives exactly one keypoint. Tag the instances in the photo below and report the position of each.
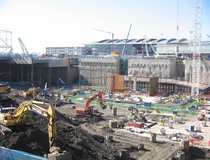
(71, 137)
(198, 153)
(82, 145)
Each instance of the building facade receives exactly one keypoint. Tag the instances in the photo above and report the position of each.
(68, 51)
(147, 47)
(96, 71)
(150, 67)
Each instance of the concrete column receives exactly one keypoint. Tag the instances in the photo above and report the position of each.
(40, 74)
(21, 73)
(152, 137)
(58, 76)
(49, 76)
(79, 76)
(10, 72)
(134, 83)
(90, 81)
(69, 74)
(32, 72)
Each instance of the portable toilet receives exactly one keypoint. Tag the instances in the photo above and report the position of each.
(191, 128)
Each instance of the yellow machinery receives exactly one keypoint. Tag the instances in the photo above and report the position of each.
(21, 116)
(31, 93)
(4, 88)
(115, 52)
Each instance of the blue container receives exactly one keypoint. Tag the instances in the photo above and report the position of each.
(11, 154)
(147, 104)
(192, 128)
(177, 101)
(81, 92)
(138, 105)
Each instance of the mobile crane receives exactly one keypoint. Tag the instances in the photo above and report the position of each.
(21, 116)
(88, 109)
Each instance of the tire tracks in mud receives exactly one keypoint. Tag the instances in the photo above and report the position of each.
(163, 152)
(157, 151)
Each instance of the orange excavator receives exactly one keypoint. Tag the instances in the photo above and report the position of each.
(88, 109)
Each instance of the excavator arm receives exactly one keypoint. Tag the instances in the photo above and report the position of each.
(99, 95)
(87, 106)
(20, 116)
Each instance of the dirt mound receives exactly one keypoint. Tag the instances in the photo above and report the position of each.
(34, 139)
(197, 153)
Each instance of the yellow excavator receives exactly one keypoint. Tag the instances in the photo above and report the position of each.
(31, 93)
(21, 116)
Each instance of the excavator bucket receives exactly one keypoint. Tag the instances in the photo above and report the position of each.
(80, 111)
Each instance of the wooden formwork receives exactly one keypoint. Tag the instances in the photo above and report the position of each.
(153, 86)
(116, 83)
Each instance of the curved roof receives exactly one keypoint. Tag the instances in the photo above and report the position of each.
(112, 40)
(140, 40)
(183, 40)
(151, 40)
(161, 40)
(172, 40)
(102, 41)
(131, 40)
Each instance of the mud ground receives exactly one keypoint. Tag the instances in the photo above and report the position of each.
(86, 140)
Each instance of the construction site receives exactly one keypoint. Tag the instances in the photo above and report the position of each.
(114, 99)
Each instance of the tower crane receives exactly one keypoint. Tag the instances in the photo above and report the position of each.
(112, 34)
(23, 47)
(196, 61)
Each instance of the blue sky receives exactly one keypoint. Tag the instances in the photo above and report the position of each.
(51, 23)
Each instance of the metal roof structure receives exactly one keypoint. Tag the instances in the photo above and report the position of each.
(143, 40)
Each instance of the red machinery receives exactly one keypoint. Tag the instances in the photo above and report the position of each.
(87, 106)
(136, 124)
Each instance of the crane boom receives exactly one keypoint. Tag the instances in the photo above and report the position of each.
(126, 39)
(23, 47)
(196, 62)
(112, 34)
(99, 95)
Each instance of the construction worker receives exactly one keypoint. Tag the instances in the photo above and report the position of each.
(162, 121)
